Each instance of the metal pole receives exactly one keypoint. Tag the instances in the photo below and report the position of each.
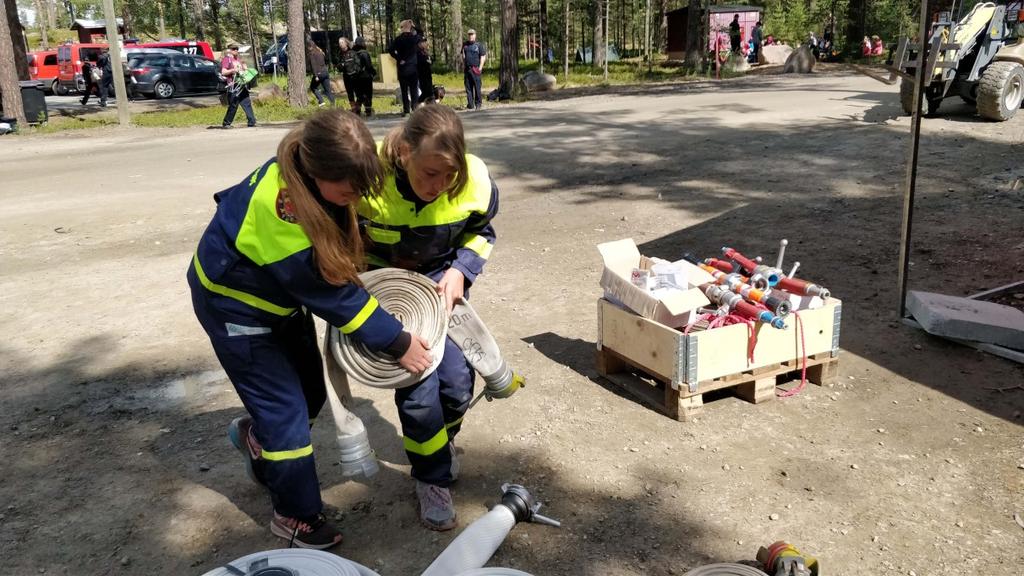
(607, 3)
(910, 186)
(277, 47)
(114, 54)
(352, 16)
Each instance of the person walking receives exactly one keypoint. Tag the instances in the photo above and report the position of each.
(425, 70)
(474, 55)
(351, 69)
(433, 216)
(90, 74)
(231, 67)
(284, 245)
(364, 80)
(404, 50)
(321, 81)
(106, 80)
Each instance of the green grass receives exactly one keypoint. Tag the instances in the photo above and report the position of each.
(626, 72)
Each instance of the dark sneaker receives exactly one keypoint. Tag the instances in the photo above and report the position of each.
(437, 511)
(242, 438)
(316, 534)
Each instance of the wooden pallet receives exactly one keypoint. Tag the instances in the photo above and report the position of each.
(755, 386)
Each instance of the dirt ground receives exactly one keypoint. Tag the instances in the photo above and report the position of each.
(113, 409)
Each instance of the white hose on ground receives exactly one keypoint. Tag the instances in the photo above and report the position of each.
(357, 457)
(296, 561)
(475, 546)
(725, 570)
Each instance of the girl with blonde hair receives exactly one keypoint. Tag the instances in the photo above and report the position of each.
(283, 245)
(433, 216)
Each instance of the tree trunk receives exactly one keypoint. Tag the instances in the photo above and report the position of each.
(456, 35)
(389, 20)
(565, 42)
(662, 45)
(694, 39)
(40, 8)
(597, 47)
(181, 19)
(8, 71)
(161, 24)
(17, 40)
(51, 13)
(218, 34)
(508, 73)
(855, 32)
(197, 13)
(296, 56)
(126, 15)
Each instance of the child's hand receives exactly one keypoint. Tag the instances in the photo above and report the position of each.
(417, 358)
(451, 287)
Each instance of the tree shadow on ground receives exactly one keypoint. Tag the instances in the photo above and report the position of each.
(161, 437)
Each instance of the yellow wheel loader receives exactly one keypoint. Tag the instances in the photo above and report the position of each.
(979, 58)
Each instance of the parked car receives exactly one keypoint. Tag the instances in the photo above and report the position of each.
(280, 52)
(163, 74)
(42, 66)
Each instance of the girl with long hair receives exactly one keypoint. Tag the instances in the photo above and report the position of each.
(283, 245)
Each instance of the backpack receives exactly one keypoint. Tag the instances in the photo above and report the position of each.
(351, 65)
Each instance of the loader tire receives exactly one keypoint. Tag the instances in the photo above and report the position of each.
(1001, 90)
(907, 96)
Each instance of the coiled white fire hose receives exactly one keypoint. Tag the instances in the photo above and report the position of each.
(413, 299)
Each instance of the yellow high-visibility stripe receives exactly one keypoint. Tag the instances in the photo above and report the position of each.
(430, 446)
(451, 425)
(245, 298)
(478, 244)
(377, 261)
(360, 318)
(288, 454)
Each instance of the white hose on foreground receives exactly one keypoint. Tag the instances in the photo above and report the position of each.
(475, 545)
(725, 570)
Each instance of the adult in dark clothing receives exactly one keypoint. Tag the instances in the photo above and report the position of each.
(403, 50)
(238, 93)
(107, 81)
(735, 36)
(90, 83)
(473, 57)
(364, 80)
(351, 68)
(426, 73)
(321, 77)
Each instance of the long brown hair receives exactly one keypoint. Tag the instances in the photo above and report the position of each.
(336, 146)
(431, 129)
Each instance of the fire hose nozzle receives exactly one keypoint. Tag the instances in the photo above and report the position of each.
(524, 507)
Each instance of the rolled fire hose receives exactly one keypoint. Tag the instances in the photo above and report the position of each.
(412, 298)
(292, 562)
(725, 570)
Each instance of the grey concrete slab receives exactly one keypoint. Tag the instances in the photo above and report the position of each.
(967, 319)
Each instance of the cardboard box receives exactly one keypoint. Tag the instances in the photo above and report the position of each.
(673, 308)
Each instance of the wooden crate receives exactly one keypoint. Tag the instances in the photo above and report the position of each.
(681, 368)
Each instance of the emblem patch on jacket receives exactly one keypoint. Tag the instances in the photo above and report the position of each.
(285, 208)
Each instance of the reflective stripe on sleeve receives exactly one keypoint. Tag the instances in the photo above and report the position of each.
(360, 318)
(478, 244)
